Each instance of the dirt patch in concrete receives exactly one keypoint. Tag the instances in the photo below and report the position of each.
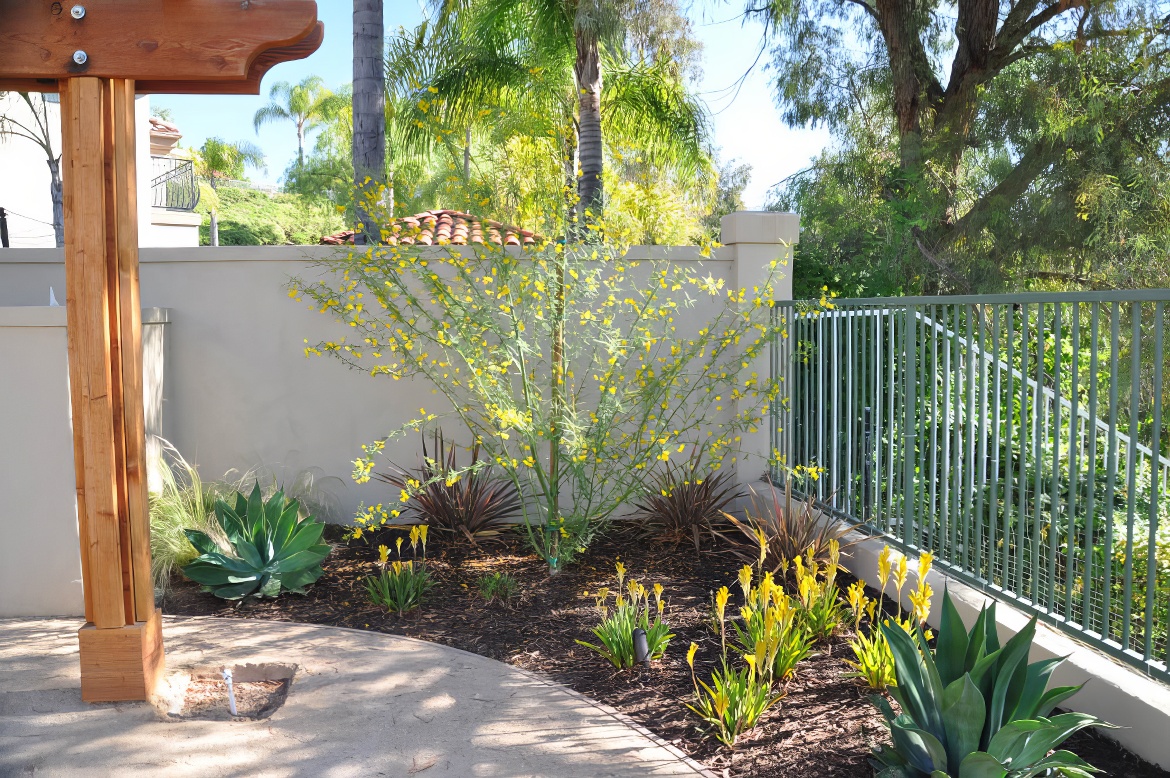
(259, 690)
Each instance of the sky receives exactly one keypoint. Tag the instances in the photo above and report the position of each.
(746, 122)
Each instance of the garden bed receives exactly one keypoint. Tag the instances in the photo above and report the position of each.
(824, 726)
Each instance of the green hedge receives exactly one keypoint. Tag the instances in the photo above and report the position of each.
(251, 218)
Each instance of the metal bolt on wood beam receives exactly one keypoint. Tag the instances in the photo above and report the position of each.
(80, 57)
(77, 11)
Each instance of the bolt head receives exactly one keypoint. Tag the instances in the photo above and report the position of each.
(80, 57)
(77, 11)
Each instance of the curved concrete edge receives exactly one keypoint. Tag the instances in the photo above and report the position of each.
(361, 703)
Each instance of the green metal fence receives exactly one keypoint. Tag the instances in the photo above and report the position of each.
(1022, 439)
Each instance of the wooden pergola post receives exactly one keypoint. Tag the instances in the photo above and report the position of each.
(97, 55)
(121, 645)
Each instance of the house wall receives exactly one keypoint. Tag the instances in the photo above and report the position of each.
(24, 183)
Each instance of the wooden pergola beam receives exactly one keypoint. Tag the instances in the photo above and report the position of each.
(130, 46)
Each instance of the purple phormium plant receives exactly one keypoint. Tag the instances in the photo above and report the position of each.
(470, 501)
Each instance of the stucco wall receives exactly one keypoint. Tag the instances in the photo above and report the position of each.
(40, 559)
(240, 392)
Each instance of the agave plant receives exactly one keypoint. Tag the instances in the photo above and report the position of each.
(974, 709)
(470, 501)
(685, 502)
(270, 548)
(775, 534)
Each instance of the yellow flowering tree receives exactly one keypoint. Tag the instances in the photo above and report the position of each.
(574, 369)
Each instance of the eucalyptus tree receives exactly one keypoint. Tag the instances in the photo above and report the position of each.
(988, 115)
(27, 117)
(218, 159)
(541, 63)
(306, 105)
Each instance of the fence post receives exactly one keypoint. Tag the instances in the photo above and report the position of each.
(755, 240)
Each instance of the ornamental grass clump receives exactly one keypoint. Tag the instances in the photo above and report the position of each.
(471, 502)
(498, 586)
(630, 611)
(685, 502)
(575, 369)
(401, 585)
(972, 708)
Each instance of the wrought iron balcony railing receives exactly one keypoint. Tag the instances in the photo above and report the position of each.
(173, 184)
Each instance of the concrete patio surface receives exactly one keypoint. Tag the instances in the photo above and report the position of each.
(361, 704)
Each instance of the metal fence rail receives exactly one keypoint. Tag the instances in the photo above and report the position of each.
(1022, 439)
(173, 184)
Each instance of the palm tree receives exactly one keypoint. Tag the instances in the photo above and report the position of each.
(545, 58)
(306, 105)
(369, 105)
(217, 159)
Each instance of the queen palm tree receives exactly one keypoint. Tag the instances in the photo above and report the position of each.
(369, 103)
(545, 58)
(218, 159)
(306, 105)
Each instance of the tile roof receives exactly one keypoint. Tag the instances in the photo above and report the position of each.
(445, 227)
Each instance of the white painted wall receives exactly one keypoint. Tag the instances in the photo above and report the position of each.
(40, 560)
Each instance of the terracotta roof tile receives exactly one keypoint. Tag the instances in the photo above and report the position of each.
(441, 227)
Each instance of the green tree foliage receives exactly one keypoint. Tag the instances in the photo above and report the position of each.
(515, 87)
(218, 159)
(980, 145)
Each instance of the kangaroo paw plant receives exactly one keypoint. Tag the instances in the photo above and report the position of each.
(271, 549)
(974, 709)
(616, 630)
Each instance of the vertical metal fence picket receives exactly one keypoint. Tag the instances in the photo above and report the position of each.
(1022, 439)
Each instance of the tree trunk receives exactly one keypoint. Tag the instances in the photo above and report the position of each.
(467, 157)
(369, 112)
(587, 71)
(58, 197)
(300, 146)
(214, 228)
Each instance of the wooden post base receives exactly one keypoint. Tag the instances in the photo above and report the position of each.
(121, 664)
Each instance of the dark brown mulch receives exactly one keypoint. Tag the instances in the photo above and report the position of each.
(824, 726)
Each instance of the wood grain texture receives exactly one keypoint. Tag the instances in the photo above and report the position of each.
(69, 133)
(163, 40)
(134, 419)
(122, 664)
(87, 307)
(110, 143)
(249, 85)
